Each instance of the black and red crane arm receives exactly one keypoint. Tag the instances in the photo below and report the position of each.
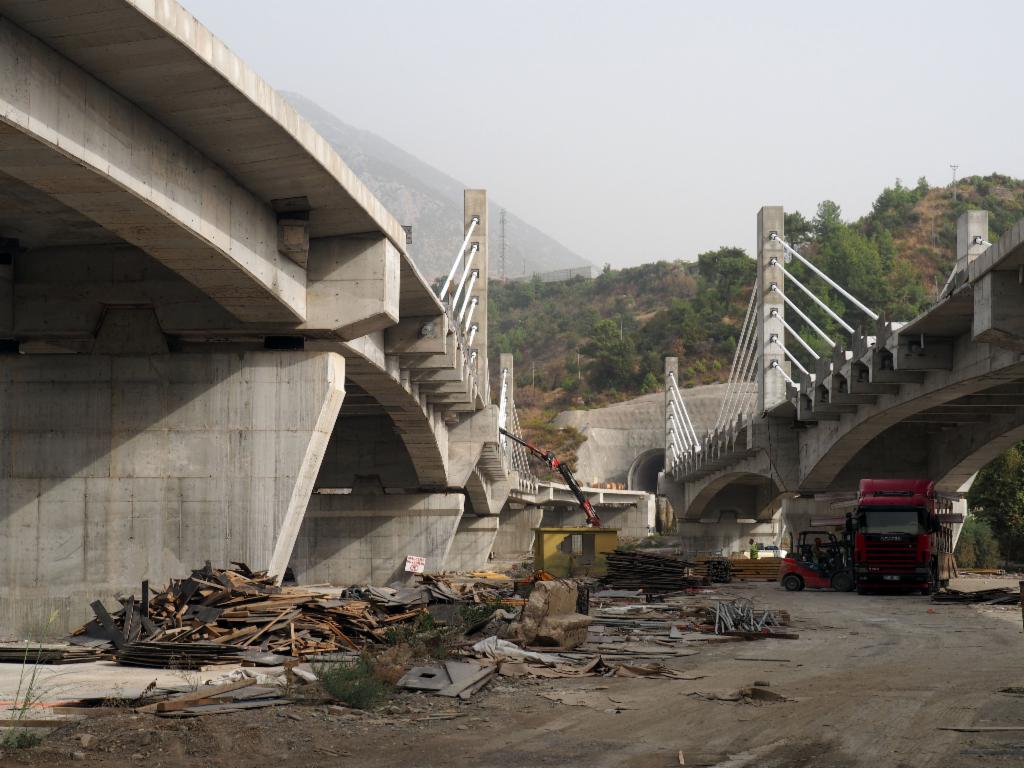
(552, 461)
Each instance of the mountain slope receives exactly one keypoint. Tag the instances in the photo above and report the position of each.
(431, 201)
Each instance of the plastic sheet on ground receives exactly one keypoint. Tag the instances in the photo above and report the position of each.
(502, 650)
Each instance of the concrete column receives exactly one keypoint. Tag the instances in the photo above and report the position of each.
(119, 468)
(634, 521)
(473, 543)
(771, 388)
(7, 251)
(365, 538)
(970, 225)
(475, 204)
(671, 371)
(515, 530)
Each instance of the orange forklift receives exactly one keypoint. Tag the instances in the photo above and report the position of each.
(819, 561)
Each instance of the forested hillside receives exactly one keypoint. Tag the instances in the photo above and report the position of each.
(589, 342)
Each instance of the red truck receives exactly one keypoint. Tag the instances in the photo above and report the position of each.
(902, 536)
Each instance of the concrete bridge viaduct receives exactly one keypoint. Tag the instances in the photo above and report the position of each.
(214, 342)
(938, 396)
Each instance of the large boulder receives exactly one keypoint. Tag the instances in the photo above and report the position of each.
(549, 617)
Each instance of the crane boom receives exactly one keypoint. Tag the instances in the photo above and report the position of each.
(552, 461)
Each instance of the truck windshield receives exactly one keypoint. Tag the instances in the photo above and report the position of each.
(891, 520)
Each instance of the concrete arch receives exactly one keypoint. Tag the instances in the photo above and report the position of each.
(420, 428)
(748, 495)
(643, 472)
(950, 455)
(834, 449)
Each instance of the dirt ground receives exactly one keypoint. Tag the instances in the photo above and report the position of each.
(871, 682)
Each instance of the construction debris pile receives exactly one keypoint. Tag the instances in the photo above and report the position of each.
(217, 616)
(739, 618)
(648, 572)
(623, 626)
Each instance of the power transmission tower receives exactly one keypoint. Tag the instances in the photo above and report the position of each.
(954, 167)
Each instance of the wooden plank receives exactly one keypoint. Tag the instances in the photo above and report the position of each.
(186, 699)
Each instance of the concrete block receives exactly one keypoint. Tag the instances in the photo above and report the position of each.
(999, 310)
(353, 285)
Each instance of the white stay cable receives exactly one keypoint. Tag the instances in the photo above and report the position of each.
(775, 365)
(739, 345)
(745, 330)
(687, 422)
(678, 424)
(465, 274)
(824, 277)
(739, 392)
(674, 438)
(503, 407)
(831, 313)
(469, 317)
(743, 405)
(462, 250)
(795, 335)
(469, 291)
(805, 318)
(788, 354)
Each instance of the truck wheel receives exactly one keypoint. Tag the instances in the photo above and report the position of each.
(842, 581)
(792, 582)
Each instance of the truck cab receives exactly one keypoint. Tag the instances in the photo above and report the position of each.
(902, 538)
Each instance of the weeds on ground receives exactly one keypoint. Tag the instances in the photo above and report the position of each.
(358, 685)
(185, 671)
(30, 693)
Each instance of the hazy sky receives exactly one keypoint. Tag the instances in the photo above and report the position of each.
(640, 130)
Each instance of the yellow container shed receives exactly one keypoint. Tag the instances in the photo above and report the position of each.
(573, 551)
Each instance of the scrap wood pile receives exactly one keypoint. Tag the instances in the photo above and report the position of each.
(216, 699)
(47, 653)
(997, 596)
(651, 573)
(216, 615)
(717, 569)
(741, 568)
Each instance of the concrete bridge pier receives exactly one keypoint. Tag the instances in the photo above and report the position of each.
(726, 534)
(364, 537)
(132, 463)
(515, 531)
(473, 543)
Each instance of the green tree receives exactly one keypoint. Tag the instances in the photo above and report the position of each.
(977, 546)
(997, 498)
(612, 356)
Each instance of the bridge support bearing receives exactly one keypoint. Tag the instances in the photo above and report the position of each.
(365, 538)
(118, 468)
